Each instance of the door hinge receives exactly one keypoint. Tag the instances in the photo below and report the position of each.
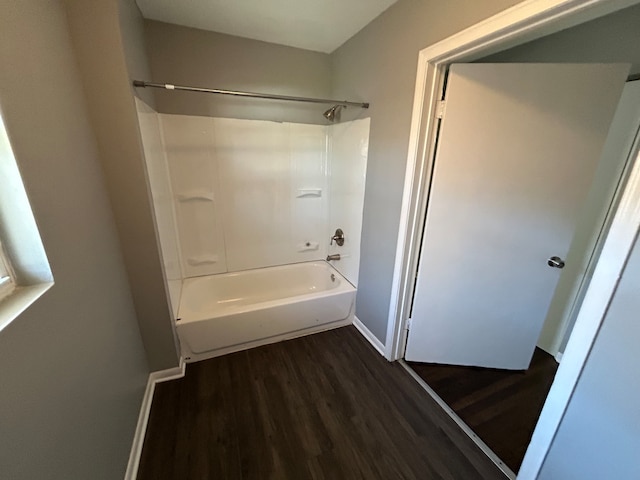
(408, 327)
(441, 106)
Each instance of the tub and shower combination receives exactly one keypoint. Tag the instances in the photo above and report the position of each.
(220, 314)
(244, 212)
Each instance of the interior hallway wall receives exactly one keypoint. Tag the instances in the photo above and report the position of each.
(96, 35)
(599, 436)
(73, 364)
(378, 65)
(188, 56)
(614, 38)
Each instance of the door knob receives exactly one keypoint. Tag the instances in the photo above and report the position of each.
(555, 262)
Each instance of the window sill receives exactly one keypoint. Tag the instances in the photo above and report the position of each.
(19, 300)
(6, 286)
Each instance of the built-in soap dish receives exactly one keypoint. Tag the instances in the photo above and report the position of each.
(196, 196)
(309, 192)
(202, 260)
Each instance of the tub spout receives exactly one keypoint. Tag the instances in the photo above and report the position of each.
(335, 256)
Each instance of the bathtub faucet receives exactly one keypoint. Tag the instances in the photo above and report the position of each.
(338, 237)
(335, 256)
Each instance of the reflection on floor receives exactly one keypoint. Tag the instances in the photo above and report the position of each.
(502, 407)
(325, 406)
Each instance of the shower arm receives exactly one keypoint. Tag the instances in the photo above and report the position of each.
(169, 86)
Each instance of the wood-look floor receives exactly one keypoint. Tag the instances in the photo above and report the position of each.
(325, 406)
(502, 407)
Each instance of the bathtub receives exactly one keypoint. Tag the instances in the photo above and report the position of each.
(220, 314)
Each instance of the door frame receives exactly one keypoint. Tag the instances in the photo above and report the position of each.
(524, 22)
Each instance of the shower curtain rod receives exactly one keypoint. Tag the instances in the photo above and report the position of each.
(168, 86)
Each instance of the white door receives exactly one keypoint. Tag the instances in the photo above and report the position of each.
(518, 147)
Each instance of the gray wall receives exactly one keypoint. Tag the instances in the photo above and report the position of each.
(96, 34)
(378, 65)
(188, 56)
(599, 436)
(73, 365)
(609, 39)
(133, 43)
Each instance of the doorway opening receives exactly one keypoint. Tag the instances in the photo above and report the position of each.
(502, 406)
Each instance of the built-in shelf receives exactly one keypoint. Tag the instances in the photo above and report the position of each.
(203, 260)
(309, 192)
(196, 196)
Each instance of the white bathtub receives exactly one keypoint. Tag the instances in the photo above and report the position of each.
(220, 314)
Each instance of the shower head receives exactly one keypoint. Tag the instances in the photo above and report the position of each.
(333, 113)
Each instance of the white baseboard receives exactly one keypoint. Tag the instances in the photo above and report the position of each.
(168, 374)
(366, 333)
(143, 417)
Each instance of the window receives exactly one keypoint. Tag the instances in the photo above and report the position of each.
(28, 261)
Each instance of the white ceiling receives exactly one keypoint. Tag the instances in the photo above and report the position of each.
(320, 25)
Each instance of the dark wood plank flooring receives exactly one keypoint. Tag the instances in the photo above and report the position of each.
(502, 407)
(325, 406)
